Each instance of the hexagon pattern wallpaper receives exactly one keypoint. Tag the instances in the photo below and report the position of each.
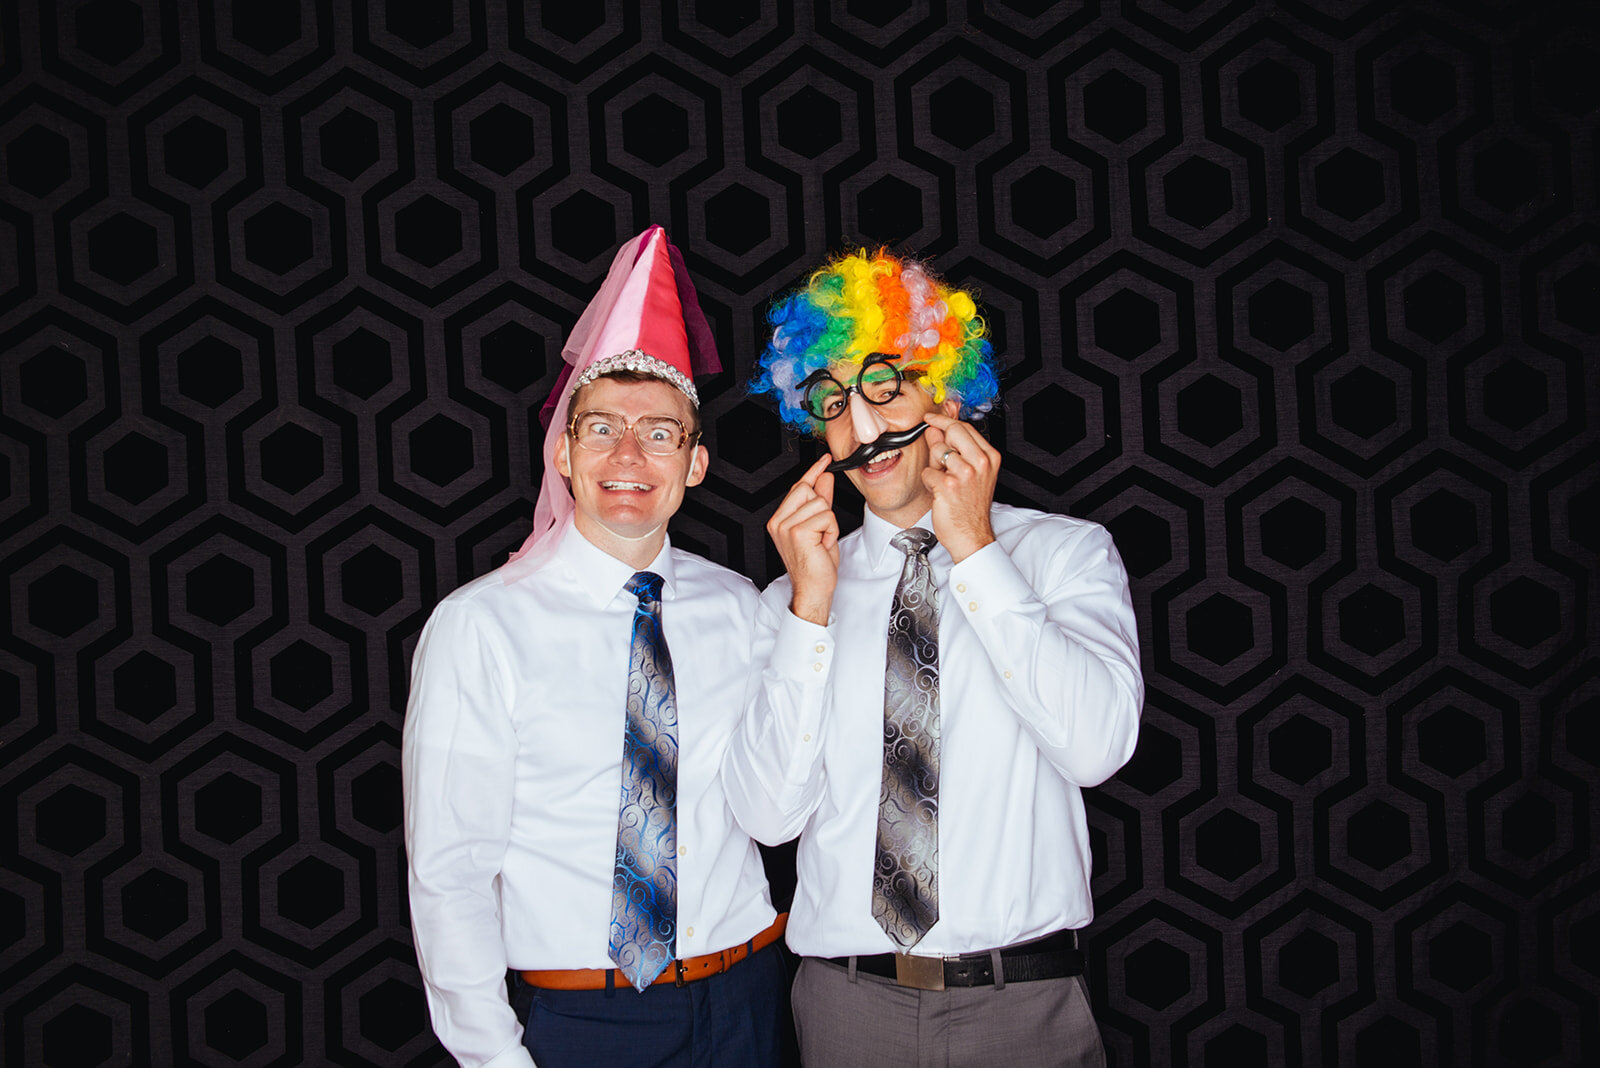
(1301, 299)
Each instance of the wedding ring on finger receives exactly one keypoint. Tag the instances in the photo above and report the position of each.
(944, 459)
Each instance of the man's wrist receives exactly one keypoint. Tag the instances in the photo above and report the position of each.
(812, 609)
(962, 547)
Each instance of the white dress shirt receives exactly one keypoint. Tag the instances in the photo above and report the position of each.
(1039, 695)
(512, 760)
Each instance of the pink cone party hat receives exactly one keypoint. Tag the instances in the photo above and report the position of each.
(646, 317)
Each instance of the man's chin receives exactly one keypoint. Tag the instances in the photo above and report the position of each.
(629, 524)
(887, 496)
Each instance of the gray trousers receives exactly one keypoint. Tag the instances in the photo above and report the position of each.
(872, 1022)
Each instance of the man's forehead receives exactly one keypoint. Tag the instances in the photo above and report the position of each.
(656, 395)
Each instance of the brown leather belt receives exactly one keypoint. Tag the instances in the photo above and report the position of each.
(680, 972)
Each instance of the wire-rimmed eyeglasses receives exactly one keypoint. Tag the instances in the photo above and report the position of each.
(599, 431)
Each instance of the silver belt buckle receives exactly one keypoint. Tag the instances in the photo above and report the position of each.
(919, 973)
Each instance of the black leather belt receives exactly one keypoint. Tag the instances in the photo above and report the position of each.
(1055, 956)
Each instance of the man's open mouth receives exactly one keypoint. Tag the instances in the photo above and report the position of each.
(890, 441)
(639, 487)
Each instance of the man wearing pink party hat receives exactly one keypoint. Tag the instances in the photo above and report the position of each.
(565, 822)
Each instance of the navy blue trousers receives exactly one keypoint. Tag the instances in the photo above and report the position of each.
(730, 1020)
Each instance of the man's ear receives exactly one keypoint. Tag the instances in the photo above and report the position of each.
(951, 407)
(564, 456)
(698, 461)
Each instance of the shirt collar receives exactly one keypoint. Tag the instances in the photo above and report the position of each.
(600, 575)
(875, 534)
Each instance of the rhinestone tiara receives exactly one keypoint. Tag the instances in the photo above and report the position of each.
(643, 362)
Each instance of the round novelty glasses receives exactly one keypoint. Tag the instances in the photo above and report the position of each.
(658, 435)
(825, 397)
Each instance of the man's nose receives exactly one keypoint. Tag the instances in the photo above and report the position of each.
(630, 441)
(865, 420)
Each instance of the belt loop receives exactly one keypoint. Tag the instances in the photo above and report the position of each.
(999, 969)
(851, 971)
(679, 980)
(611, 982)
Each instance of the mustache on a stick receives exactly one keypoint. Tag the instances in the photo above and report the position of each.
(885, 442)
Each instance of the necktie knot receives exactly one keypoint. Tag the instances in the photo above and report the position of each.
(645, 585)
(913, 540)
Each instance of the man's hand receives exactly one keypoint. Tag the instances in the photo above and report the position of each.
(961, 473)
(806, 532)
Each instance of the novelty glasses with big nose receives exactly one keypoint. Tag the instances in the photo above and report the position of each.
(658, 435)
(878, 382)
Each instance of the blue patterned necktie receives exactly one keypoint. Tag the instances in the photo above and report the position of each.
(905, 875)
(644, 886)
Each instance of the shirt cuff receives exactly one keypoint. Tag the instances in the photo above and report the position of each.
(514, 1056)
(987, 583)
(802, 651)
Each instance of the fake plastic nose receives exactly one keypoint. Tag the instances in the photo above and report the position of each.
(865, 420)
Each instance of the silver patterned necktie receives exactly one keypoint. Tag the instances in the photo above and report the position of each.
(644, 884)
(905, 876)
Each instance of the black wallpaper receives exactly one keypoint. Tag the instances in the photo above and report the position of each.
(1301, 300)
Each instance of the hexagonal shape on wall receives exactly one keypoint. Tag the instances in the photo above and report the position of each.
(1381, 843)
(236, 1010)
(1222, 639)
(1522, 619)
(279, 246)
(310, 903)
(432, 239)
(1236, 856)
(155, 914)
(231, 797)
(312, 689)
(1370, 628)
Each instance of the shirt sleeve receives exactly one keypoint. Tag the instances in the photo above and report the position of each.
(458, 759)
(1065, 655)
(772, 772)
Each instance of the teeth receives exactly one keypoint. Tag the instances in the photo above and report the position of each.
(883, 458)
(624, 486)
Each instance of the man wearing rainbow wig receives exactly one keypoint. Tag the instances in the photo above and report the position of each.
(939, 686)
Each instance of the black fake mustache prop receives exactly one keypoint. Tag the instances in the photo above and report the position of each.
(885, 442)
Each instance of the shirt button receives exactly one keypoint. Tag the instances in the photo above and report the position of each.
(816, 667)
(1008, 674)
(972, 606)
(822, 648)
(688, 932)
(805, 737)
(961, 587)
(683, 850)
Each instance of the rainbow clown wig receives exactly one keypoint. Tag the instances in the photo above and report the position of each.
(866, 303)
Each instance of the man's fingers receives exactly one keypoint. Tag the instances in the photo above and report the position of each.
(798, 495)
(805, 516)
(813, 483)
(823, 486)
(950, 459)
(817, 470)
(962, 437)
